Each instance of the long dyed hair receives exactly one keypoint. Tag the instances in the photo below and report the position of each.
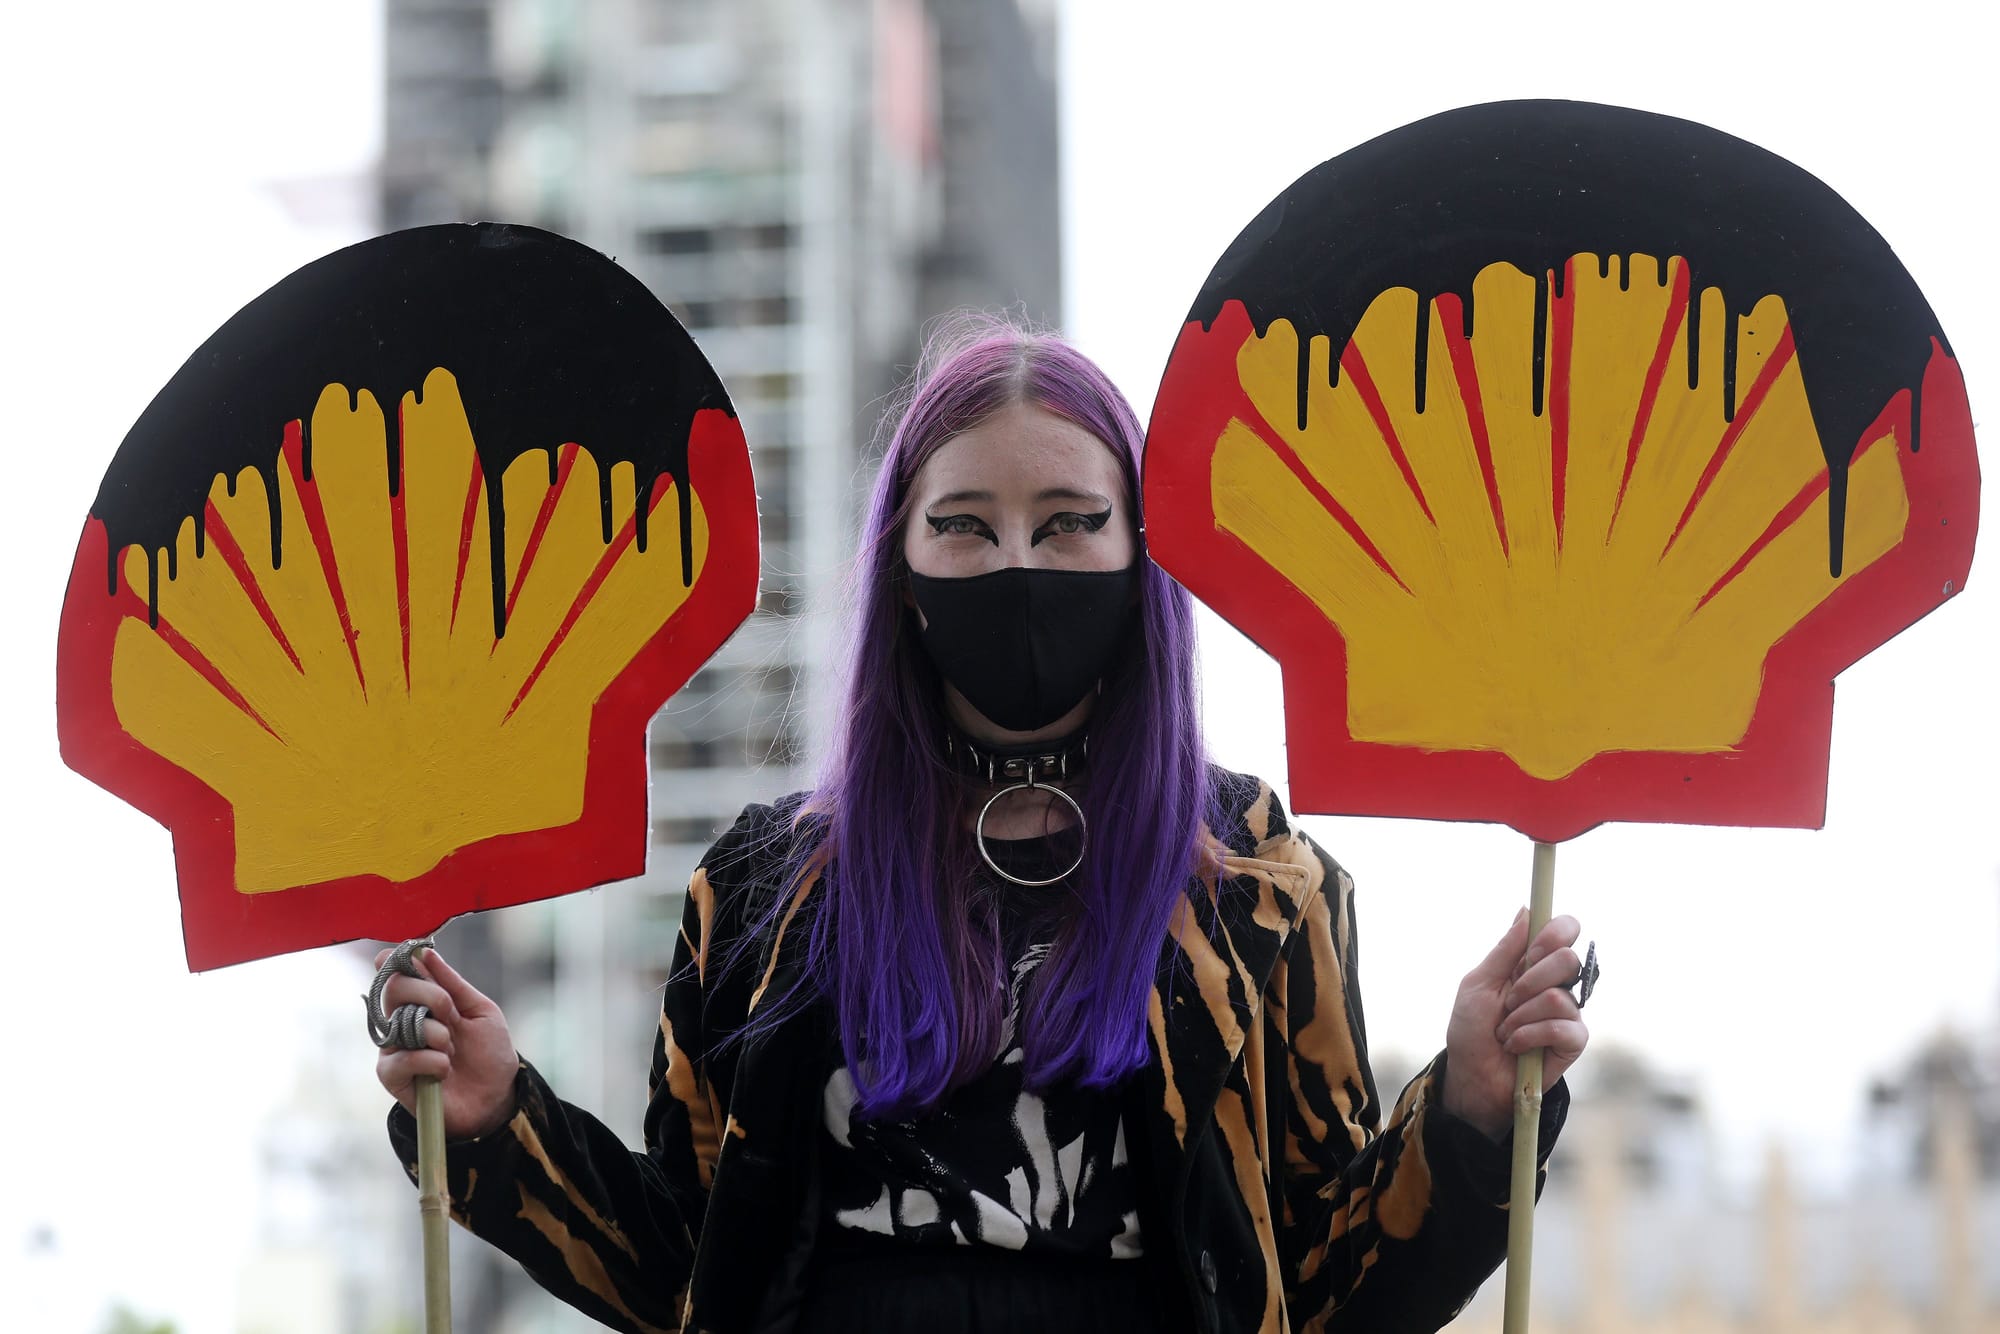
(907, 952)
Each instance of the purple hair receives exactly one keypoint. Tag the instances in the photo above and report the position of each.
(910, 958)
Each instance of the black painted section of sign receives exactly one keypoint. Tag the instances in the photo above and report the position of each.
(550, 341)
(1533, 183)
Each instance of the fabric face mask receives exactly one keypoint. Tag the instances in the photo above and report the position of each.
(1025, 646)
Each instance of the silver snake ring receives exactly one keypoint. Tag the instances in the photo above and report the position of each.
(404, 1029)
(1586, 977)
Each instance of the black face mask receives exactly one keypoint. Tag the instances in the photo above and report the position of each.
(1025, 646)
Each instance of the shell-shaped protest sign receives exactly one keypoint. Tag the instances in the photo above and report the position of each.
(1562, 455)
(379, 593)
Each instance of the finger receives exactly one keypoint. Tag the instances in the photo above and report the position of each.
(1556, 970)
(1555, 1064)
(1564, 1038)
(401, 991)
(467, 998)
(1551, 1004)
(437, 1037)
(1556, 933)
(398, 1070)
(1498, 965)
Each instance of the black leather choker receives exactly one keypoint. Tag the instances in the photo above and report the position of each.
(1025, 768)
(1017, 762)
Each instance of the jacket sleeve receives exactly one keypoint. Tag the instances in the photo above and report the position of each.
(610, 1231)
(1384, 1228)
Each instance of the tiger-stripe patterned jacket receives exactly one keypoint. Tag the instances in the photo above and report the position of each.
(1275, 1198)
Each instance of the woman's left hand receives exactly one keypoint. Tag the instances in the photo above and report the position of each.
(1506, 1006)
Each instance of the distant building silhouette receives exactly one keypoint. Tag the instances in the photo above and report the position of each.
(1634, 1236)
(1949, 1075)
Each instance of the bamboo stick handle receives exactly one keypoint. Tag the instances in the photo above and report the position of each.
(1527, 1122)
(433, 1203)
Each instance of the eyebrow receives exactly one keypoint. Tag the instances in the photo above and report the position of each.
(987, 497)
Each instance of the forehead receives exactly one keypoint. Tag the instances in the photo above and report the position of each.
(1017, 451)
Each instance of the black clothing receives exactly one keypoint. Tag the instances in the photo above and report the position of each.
(1273, 1191)
(995, 1164)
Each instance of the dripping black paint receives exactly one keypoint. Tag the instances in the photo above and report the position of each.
(1429, 205)
(550, 342)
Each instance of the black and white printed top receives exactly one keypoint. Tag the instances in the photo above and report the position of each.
(994, 1164)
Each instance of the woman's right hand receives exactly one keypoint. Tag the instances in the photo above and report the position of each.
(469, 1049)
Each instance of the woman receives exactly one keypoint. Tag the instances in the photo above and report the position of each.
(1026, 1017)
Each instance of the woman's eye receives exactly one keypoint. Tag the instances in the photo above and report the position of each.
(1069, 524)
(956, 525)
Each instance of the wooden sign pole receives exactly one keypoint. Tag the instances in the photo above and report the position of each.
(1527, 1121)
(433, 1191)
(434, 1204)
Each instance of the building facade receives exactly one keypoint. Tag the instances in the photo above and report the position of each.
(804, 183)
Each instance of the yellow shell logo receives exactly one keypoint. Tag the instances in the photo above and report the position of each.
(1500, 590)
(379, 593)
(1562, 455)
(353, 704)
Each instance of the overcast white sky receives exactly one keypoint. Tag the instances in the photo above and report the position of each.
(1778, 969)
(136, 138)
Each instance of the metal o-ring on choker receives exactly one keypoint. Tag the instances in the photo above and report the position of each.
(1030, 785)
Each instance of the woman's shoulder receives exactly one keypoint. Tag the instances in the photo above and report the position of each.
(1251, 822)
(754, 856)
(1249, 814)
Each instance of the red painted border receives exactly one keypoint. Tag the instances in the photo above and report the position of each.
(1777, 776)
(608, 842)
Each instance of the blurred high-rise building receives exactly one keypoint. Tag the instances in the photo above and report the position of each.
(804, 183)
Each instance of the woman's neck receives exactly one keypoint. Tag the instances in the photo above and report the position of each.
(1027, 813)
(1025, 766)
